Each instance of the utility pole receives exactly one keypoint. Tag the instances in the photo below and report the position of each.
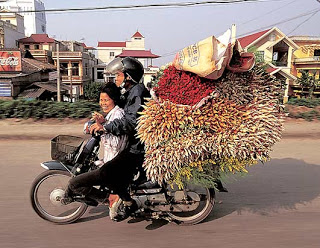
(70, 74)
(58, 74)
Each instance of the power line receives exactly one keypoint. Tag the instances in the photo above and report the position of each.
(269, 12)
(280, 22)
(164, 5)
(300, 24)
(312, 13)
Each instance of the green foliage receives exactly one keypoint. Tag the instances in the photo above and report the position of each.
(307, 102)
(46, 109)
(309, 116)
(155, 78)
(308, 81)
(91, 91)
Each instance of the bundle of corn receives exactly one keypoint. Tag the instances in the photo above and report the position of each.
(235, 124)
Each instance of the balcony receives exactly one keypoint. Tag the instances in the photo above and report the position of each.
(309, 60)
(70, 55)
(74, 78)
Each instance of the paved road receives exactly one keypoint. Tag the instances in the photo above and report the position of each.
(277, 205)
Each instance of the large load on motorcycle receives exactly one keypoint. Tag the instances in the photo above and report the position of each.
(213, 112)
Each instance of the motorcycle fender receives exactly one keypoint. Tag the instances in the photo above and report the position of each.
(55, 165)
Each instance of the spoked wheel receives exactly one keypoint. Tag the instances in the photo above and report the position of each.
(46, 192)
(204, 198)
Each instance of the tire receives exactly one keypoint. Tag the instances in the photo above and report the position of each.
(45, 194)
(205, 207)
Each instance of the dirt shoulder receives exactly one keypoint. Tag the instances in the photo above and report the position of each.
(46, 129)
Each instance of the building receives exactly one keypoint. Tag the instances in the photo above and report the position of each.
(11, 29)
(34, 23)
(76, 59)
(17, 73)
(40, 46)
(107, 51)
(77, 63)
(307, 57)
(275, 49)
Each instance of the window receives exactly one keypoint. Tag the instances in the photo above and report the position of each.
(275, 56)
(99, 73)
(272, 37)
(43, 28)
(137, 38)
(260, 56)
(75, 69)
(36, 47)
(86, 69)
(26, 46)
(316, 52)
(64, 68)
(111, 54)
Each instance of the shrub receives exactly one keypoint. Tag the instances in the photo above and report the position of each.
(91, 91)
(46, 109)
(307, 102)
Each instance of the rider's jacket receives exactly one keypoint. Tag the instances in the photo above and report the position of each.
(134, 99)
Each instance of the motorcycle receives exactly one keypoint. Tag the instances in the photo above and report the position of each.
(73, 155)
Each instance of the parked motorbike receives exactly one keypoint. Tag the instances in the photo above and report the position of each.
(73, 155)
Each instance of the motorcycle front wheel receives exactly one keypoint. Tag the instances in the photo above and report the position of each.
(205, 205)
(46, 193)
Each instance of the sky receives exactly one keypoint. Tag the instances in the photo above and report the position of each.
(167, 30)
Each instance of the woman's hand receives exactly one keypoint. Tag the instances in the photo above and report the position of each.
(99, 118)
(96, 127)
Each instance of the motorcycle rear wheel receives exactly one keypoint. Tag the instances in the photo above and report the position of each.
(206, 204)
(45, 195)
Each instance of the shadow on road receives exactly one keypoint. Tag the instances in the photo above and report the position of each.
(95, 213)
(278, 184)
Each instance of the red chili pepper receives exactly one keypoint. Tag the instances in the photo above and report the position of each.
(183, 87)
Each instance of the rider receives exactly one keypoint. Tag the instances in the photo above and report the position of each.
(129, 72)
(113, 145)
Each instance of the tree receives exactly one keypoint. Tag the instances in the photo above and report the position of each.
(309, 81)
(91, 91)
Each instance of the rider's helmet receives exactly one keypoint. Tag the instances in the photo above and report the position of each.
(131, 67)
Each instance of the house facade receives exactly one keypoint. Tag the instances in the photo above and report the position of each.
(34, 22)
(77, 63)
(11, 29)
(275, 49)
(107, 51)
(75, 58)
(307, 57)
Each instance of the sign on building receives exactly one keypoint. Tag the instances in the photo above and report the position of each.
(10, 61)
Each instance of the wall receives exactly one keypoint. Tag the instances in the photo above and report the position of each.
(104, 53)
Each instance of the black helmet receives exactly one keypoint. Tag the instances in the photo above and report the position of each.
(131, 67)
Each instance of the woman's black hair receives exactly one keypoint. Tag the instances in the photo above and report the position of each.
(112, 91)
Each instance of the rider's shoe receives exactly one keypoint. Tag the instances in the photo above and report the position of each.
(129, 207)
(114, 204)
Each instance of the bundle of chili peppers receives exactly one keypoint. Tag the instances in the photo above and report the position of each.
(233, 129)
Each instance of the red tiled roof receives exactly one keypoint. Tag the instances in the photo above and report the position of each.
(137, 35)
(37, 38)
(247, 40)
(138, 54)
(112, 44)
